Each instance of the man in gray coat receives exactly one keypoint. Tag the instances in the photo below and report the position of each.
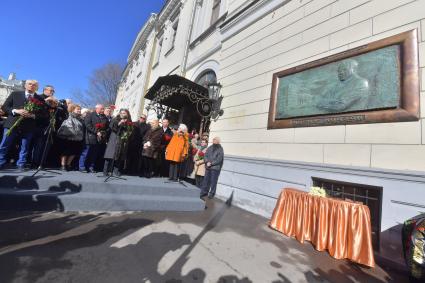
(213, 162)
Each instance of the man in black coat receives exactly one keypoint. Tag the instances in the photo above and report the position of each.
(167, 134)
(135, 146)
(142, 126)
(96, 139)
(14, 108)
(39, 136)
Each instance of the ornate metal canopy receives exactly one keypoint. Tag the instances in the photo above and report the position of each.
(175, 92)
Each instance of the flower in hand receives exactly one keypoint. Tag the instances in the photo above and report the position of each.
(31, 108)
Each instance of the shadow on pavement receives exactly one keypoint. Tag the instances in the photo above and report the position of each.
(25, 194)
(78, 248)
(17, 231)
(63, 253)
(29, 265)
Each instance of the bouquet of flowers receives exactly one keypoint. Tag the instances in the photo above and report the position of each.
(200, 155)
(127, 129)
(317, 191)
(166, 137)
(194, 150)
(33, 106)
(101, 128)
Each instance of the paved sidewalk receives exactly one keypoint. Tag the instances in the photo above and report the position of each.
(220, 244)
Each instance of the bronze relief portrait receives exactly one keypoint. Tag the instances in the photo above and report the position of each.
(377, 82)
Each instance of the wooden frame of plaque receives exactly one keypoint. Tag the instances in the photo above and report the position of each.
(409, 92)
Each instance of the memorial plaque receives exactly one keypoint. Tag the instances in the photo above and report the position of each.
(377, 82)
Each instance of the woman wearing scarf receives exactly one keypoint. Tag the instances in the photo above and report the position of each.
(199, 170)
(177, 150)
(121, 130)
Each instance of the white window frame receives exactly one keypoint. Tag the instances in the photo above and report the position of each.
(158, 49)
(215, 16)
(174, 28)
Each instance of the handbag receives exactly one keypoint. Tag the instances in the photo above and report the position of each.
(71, 129)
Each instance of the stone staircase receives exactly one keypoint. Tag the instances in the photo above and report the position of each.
(75, 191)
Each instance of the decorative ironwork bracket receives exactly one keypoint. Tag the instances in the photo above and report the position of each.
(206, 107)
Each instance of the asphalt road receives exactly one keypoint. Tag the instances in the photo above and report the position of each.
(220, 244)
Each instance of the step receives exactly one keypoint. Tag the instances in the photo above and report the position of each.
(48, 201)
(126, 202)
(135, 185)
(75, 191)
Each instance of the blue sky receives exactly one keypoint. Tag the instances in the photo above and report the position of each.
(60, 42)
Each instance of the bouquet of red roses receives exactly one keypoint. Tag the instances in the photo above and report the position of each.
(101, 128)
(166, 137)
(200, 156)
(127, 130)
(33, 106)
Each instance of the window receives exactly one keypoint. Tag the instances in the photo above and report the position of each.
(368, 195)
(206, 78)
(174, 33)
(158, 51)
(215, 11)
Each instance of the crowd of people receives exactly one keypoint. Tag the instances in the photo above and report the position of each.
(41, 131)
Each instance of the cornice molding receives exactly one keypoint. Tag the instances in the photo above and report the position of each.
(167, 11)
(247, 15)
(142, 37)
(389, 174)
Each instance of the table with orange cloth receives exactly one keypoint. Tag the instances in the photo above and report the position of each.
(341, 227)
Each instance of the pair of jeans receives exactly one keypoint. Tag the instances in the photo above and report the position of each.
(209, 184)
(93, 154)
(9, 141)
(83, 158)
(198, 180)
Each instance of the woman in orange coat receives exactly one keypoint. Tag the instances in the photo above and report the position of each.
(176, 151)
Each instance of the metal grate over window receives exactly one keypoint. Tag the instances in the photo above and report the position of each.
(368, 195)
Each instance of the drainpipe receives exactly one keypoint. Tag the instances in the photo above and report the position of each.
(186, 49)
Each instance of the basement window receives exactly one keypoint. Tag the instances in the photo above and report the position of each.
(368, 195)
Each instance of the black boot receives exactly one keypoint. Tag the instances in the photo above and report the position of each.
(117, 172)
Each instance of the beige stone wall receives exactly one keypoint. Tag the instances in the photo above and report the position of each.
(297, 33)
(235, 5)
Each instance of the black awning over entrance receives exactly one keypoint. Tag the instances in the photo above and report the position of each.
(177, 92)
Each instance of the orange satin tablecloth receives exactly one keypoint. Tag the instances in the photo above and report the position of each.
(341, 227)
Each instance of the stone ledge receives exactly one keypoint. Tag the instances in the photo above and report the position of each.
(411, 176)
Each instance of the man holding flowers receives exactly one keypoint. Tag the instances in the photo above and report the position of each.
(23, 108)
(97, 131)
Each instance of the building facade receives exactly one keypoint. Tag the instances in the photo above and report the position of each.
(8, 85)
(244, 43)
